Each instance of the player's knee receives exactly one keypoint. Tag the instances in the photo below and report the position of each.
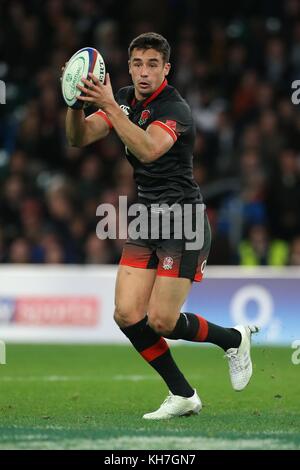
(159, 323)
(121, 317)
(125, 318)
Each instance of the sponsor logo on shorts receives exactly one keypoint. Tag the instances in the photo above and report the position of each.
(203, 266)
(168, 262)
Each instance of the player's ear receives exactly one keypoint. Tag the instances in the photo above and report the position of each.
(167, 68)
(129, 66)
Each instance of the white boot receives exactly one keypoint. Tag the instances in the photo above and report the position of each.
(240, 365)
(175, 405)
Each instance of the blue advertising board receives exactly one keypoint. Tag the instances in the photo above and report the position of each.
(271, 303)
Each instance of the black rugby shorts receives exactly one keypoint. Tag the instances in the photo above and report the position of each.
(170, 257)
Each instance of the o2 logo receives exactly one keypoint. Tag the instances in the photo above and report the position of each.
(2, 352)
(264, 314)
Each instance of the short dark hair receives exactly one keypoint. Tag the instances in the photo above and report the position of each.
(151, 41)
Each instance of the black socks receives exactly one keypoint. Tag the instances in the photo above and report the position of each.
(155, 350)
(195, 328)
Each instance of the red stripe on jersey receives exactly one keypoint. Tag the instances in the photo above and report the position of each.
(156, 93)
(202, 330)
(166, 128)
(172, 124)
(155, 351)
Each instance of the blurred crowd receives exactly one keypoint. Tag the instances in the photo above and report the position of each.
(235, 67)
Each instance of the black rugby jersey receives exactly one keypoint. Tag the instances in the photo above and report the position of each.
(169, 179)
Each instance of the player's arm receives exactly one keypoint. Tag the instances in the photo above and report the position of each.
(147, 145)
(82, 131)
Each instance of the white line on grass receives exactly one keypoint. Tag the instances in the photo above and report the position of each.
(68, 378)
(45, 378)
(134, 378)
(149, 443)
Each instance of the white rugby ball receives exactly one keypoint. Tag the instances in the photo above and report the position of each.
(83, 62)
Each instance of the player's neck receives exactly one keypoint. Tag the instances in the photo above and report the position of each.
(138, 97)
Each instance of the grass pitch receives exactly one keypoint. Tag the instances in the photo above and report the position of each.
(93, 397)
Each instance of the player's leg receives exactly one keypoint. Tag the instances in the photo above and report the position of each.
(132, 293)
(173, 324)
(133, 290)
(167, 297)
(164, 316)
(177, 268)
(135, 279)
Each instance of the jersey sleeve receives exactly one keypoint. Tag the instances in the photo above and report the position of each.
(103, 115)
(174, 118)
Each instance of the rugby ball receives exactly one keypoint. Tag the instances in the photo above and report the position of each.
(83, 62)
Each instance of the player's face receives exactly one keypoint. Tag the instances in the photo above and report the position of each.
(148, 70)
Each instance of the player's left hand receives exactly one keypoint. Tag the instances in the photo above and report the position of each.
(97, 93)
